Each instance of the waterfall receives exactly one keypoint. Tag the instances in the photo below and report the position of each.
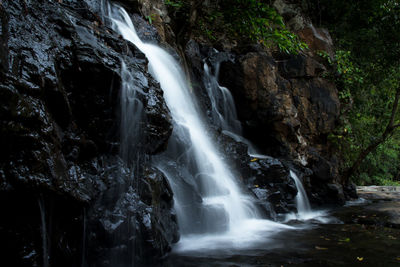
(209, 202)
(304, 212)
(224, 116)
(43, 231)
(223, 110)
(83, 259)
(131, 114)
(302, 202)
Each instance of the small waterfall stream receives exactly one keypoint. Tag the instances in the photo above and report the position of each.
(302, 202)
(223, 110)
(211, 206)
(43, 231)
(131, 114)
(224, 116)
(304, 211)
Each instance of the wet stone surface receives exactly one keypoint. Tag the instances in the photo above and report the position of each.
(64, 189)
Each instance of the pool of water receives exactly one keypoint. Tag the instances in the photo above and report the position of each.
(360, 234)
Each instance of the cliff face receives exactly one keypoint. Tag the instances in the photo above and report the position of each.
(68, 198)
(285, 103)
(288, 108)
(63, 186)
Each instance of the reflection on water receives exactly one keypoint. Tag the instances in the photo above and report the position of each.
(358, 238)
(250, 234)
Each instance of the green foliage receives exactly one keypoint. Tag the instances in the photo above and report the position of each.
(244, 20)
(150, 18)
(174, 4)
(260, 23)
(368, 75)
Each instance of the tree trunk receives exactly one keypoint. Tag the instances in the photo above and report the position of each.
(186, 30)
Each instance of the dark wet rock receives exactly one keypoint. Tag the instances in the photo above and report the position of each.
(138, 217)
(60, 141)
(146, 32)
(270, 174)
(350, 191)
(4, 40)
(267, 179)
(300, 66)
(163, 217)
(159, 122)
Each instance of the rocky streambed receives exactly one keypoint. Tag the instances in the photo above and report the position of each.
(365, 232)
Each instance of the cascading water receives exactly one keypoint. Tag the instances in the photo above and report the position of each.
(224, 115)
(131, 114)
(83, 259)
(303, 206)
(302, 202)
(208, 198)
(43, 231)
(223, 109)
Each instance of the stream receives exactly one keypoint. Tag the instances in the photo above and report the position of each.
(365, 232)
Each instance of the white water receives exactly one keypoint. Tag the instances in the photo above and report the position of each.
(208, 199)
(303, 206)
(131, 114)
(43, 231)
(223, 108)
(302, 202)
(224, 115)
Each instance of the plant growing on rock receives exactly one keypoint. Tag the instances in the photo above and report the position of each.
(244, 20)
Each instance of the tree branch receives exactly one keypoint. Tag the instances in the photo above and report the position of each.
(394, 108)
(372, 146)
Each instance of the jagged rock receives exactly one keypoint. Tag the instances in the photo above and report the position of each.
(263, 97)
(287, 109)
(267, 178)
(300, 66)
(159, 122)
(163, 216)
(271, 175)
(60, 139)
(138, 227)
(317, 39)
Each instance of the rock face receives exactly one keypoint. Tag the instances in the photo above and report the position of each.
(67, 197)
(287, 109)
